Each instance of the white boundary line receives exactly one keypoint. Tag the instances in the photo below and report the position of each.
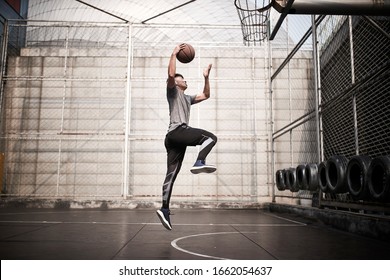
(174, 244)
(285, 219)
(154, 224)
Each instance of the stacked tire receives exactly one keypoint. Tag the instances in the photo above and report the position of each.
(322, 183)
(302, 177)
(311, 174)
(357, 177)
(378, 178)
(286, 180)
(336, 169)
(280, 180)
(360, 176)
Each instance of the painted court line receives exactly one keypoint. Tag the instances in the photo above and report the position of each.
(174, 244)
(285, 219)
(292, 223)
(153, 224)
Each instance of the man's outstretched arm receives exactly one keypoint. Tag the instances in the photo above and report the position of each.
(172, 66)
(206, 88)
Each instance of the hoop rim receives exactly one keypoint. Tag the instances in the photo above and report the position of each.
(253, 10)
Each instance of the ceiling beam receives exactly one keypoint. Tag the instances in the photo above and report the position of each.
(103, 11)
(170, 10)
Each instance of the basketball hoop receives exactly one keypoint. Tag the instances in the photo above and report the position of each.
(254, 15)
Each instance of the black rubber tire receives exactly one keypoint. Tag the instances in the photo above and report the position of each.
(311, 173)
(378, 178)
(336, 168)
(279, 178)
(285, 175)
(357, 177)
(301, 177)
(323, 184)
(292, 179)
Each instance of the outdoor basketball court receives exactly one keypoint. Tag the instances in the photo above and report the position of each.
(295, 86)
(46, 234)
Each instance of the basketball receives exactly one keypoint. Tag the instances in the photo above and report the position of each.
(187, 54)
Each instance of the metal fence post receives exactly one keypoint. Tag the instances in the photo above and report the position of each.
(271, 122)
(317, 92)
(126, 157)
(59, 163)
(3, 59)
(352, 82)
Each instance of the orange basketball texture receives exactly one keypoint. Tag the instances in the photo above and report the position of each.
(186, 55)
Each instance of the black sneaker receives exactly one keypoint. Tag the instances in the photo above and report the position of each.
(200, 166)
(163, 215)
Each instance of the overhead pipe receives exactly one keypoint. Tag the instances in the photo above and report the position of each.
(333, 7)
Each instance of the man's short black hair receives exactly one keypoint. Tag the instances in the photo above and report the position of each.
(179, 75)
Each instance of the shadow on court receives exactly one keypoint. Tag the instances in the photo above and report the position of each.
(197, 234)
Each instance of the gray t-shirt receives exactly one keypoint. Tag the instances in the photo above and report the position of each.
(179, 107)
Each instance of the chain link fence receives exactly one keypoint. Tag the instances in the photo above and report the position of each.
(341, 111)
(63, 112)
(85, 115)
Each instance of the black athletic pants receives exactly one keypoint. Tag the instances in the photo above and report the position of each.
(176, 143)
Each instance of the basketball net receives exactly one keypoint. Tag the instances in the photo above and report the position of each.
(254, 15)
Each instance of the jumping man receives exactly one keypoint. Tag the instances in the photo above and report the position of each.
(180, 135)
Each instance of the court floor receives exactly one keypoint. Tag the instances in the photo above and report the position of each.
(200, 234)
